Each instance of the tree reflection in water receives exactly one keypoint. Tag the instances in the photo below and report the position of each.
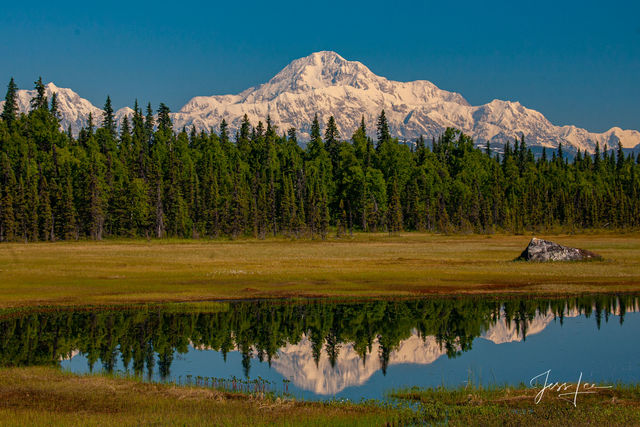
(259, 329)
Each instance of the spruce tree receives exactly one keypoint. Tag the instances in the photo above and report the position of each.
(40, 100)
(224, 132)
(315, 128)
(10, 109)
(620, 157)
(96, 204)
(67, 212)
(149, 124)
(45, 214)
(331, 142)
(7, 196)
(560, 153)
(394, 221)
(90, 124)
(125, 129)
(54, 106)
(108, 120)
(31, 207)
(164, 120)
(292, 135)
(315, 145)
(384, 134)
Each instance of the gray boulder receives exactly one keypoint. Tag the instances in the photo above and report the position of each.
(544, 250)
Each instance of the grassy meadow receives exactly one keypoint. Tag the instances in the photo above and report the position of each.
(366, 265)
(47, 396)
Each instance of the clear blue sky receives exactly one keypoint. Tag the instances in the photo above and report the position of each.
(578, 62)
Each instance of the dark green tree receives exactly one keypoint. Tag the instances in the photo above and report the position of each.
(10, 109)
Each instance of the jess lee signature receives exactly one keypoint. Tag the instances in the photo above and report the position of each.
(566, 391)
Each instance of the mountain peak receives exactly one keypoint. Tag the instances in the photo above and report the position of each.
(315, 72)
(326, 84)
(325, 59)
(326, 55)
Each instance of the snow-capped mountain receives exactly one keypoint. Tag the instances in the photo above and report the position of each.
(73, 110)
(327, 84)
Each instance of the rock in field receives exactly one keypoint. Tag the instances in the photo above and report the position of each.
(544, 250)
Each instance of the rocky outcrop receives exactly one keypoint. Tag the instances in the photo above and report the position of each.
(543, 250)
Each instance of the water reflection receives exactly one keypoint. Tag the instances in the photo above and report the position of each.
(323, 348)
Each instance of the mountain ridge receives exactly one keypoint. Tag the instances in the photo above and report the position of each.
(327, 84)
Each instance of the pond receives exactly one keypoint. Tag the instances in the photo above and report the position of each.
(352, 350)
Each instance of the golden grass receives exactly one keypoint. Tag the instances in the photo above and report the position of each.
(46, 396)
(132, 271)
(515, 406)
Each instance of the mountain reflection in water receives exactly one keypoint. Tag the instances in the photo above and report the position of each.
(324, 348)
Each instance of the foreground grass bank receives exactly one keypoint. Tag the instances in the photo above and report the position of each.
(47, 396)
(366, 265)
(516, 406)
(131, 271)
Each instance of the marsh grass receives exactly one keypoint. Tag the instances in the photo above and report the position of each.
(515, 406)
(136, 271)
(48, 396)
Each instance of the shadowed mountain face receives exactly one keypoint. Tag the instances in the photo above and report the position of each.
(327, 84)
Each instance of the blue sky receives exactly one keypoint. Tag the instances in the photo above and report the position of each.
(578, 62)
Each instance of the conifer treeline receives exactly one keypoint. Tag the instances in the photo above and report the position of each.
(149, 180)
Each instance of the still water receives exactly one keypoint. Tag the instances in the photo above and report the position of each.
(354, 350)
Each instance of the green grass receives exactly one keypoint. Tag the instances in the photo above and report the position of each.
(515, 406)
(48, 396)
(367, 265)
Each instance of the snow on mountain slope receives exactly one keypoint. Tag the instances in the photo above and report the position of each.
(73, 110)
(327, 84)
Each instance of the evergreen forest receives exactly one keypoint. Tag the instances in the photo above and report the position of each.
(143, 178)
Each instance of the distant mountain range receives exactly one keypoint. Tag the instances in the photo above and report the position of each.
(327, 84)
